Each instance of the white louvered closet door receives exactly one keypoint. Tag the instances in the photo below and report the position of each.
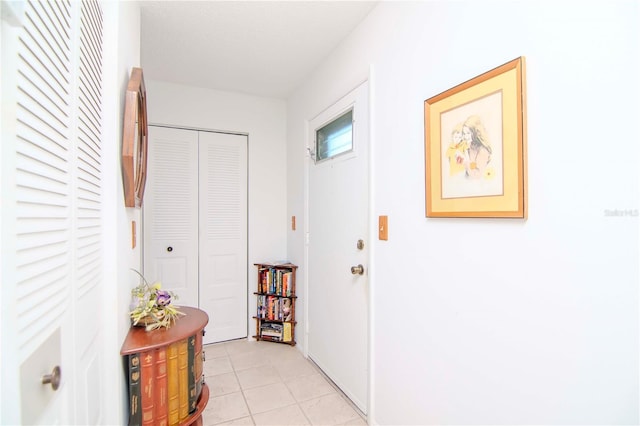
(195, 224)
(223, 235)
(171, 212)
(51, 173)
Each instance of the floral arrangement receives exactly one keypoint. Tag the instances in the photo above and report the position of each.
(151, 306)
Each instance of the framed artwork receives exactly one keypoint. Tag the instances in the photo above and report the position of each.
(134, 140)
(475, 146)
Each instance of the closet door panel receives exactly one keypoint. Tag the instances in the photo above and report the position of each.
(171, 212)
(223, 235)
(51, 212)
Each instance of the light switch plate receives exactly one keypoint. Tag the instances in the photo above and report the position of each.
(383, 228)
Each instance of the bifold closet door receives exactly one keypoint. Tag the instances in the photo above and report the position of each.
(195, 224)
(170, 210)
(55, 175)
(223, 234)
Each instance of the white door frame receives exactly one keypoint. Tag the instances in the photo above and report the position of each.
(371, 234)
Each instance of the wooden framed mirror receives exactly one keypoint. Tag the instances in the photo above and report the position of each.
(134, 140)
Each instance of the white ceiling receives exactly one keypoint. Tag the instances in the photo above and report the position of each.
(263, 48)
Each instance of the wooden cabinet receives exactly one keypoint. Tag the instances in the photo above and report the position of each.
(276, 303)
(165, 376)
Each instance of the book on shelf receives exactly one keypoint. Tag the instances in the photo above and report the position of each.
(162, 399)
(286, 283)
(135, 412)
(263, 284)
(172, 384)
(191, 350)
(271, 307)
(262, 308)
(147, 383)
(286, 332)
(199, 366)
(183, 378)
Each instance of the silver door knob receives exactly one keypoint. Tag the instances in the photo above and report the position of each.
(357, 270)
(53, 378)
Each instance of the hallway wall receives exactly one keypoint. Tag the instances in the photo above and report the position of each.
(499, 321)
(120, 55)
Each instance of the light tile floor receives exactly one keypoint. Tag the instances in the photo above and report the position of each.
(265, 383)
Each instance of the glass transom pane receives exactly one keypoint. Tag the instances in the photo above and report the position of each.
(335, 137)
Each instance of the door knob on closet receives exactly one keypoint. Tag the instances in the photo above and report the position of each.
(357, 270)
(169, 249)
(53, 378)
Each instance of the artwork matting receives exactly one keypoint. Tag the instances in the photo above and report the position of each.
(475, 146)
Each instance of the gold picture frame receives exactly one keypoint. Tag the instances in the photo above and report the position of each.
(475, 146)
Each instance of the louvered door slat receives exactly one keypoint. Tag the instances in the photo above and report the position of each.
(52, 97)
(91, 88)
(88, 201)
(37, 321)
(39, 115)
(174, 189)
(40, 233)
(89, 116)
(42, 175)
(49, 245)
(35, 173)
(89, 149)
(92, 30)
(40, 229)
(91, 54)
(224, 205)
(51, 36)
(61, 10)
(38, 289)
(36, 145)
(55, 28)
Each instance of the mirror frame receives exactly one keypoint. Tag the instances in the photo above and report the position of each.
(134, 140)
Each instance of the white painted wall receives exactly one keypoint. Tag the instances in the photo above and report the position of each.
(121, 53)
(264, 119)
(499, 321)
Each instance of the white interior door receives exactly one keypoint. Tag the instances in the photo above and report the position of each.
(171, 212)
(338, 218)
(51, 213)
(223, 235)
